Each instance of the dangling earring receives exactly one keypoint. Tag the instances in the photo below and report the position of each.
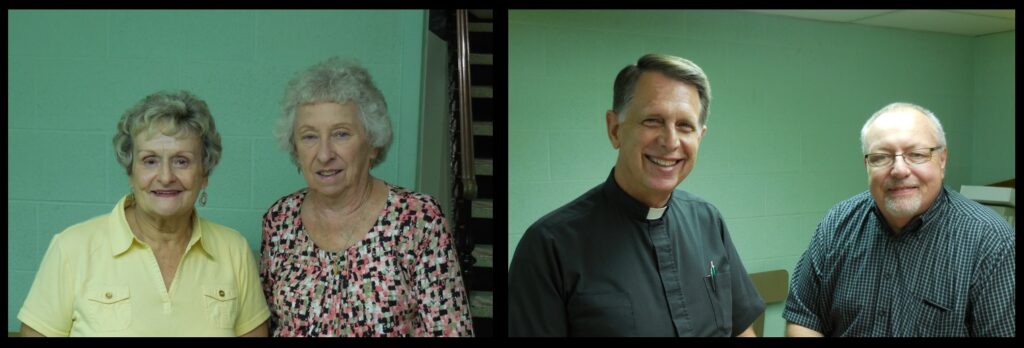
(202, 199)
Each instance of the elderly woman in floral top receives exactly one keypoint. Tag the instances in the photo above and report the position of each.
(352, 255)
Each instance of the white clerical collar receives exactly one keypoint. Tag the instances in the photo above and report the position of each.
(655, 213)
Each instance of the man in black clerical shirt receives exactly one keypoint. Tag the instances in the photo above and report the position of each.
(634, 256)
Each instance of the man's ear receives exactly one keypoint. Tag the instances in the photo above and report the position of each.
(942, 161)
(612, 121)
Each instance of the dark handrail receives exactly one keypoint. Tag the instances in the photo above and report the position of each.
(468, 177)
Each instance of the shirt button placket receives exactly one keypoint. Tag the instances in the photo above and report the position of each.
(885, 290)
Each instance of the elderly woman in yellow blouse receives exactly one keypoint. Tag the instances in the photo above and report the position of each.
(352, 255)
(152, 267)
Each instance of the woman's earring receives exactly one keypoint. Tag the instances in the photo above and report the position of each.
(202, 199)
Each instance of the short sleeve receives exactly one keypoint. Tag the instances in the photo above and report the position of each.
(266, 272)
(50, 303)
(805, 305)
(254, 310)
(535, 304)
(993, 297)
(444, 302)
(747, 303)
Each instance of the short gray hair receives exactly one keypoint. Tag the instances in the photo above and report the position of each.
(671, 66)
(940, 135)
(183, 111)
(336, 81)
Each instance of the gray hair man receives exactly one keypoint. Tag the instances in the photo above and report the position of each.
(907, 257)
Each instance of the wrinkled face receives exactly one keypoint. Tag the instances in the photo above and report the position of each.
(167, 172)
(904, 190)
(332, 147)
(658, 138)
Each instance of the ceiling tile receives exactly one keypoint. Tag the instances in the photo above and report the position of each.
(826, 15)
(941, 21)
(1010, 14)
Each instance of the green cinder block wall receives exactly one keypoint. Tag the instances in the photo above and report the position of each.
(994, 108)
(790, 97)
(71, 74)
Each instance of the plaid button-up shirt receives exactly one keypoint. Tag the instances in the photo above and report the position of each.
(949, 272)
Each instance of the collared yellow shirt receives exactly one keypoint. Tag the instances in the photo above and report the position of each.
(97, 279)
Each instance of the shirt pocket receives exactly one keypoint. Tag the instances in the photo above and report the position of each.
(720, 298)
(108, 308)
(608, 314)
(932, 318)
(221, 305)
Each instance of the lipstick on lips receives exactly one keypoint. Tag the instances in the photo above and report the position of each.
(165, 193)
(328, 173)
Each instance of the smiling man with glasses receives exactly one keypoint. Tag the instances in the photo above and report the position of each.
(908, 257)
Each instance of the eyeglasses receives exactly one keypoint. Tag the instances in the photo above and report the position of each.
(917, 156)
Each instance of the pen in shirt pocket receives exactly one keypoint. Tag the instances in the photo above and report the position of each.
(714, 277)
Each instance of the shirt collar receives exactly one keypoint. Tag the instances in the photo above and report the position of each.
(933, 211)
(656, 213)
(121, 236)
(633, 208)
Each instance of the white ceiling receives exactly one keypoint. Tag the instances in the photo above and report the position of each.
(960, 22)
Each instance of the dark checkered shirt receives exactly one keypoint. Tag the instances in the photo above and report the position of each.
(950, 272)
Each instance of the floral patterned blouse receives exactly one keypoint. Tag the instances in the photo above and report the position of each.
(402, 279)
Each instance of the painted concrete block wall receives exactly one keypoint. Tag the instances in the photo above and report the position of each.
(994, 109)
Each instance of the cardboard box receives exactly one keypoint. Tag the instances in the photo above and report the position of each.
(990, 195)
(1007, 213)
